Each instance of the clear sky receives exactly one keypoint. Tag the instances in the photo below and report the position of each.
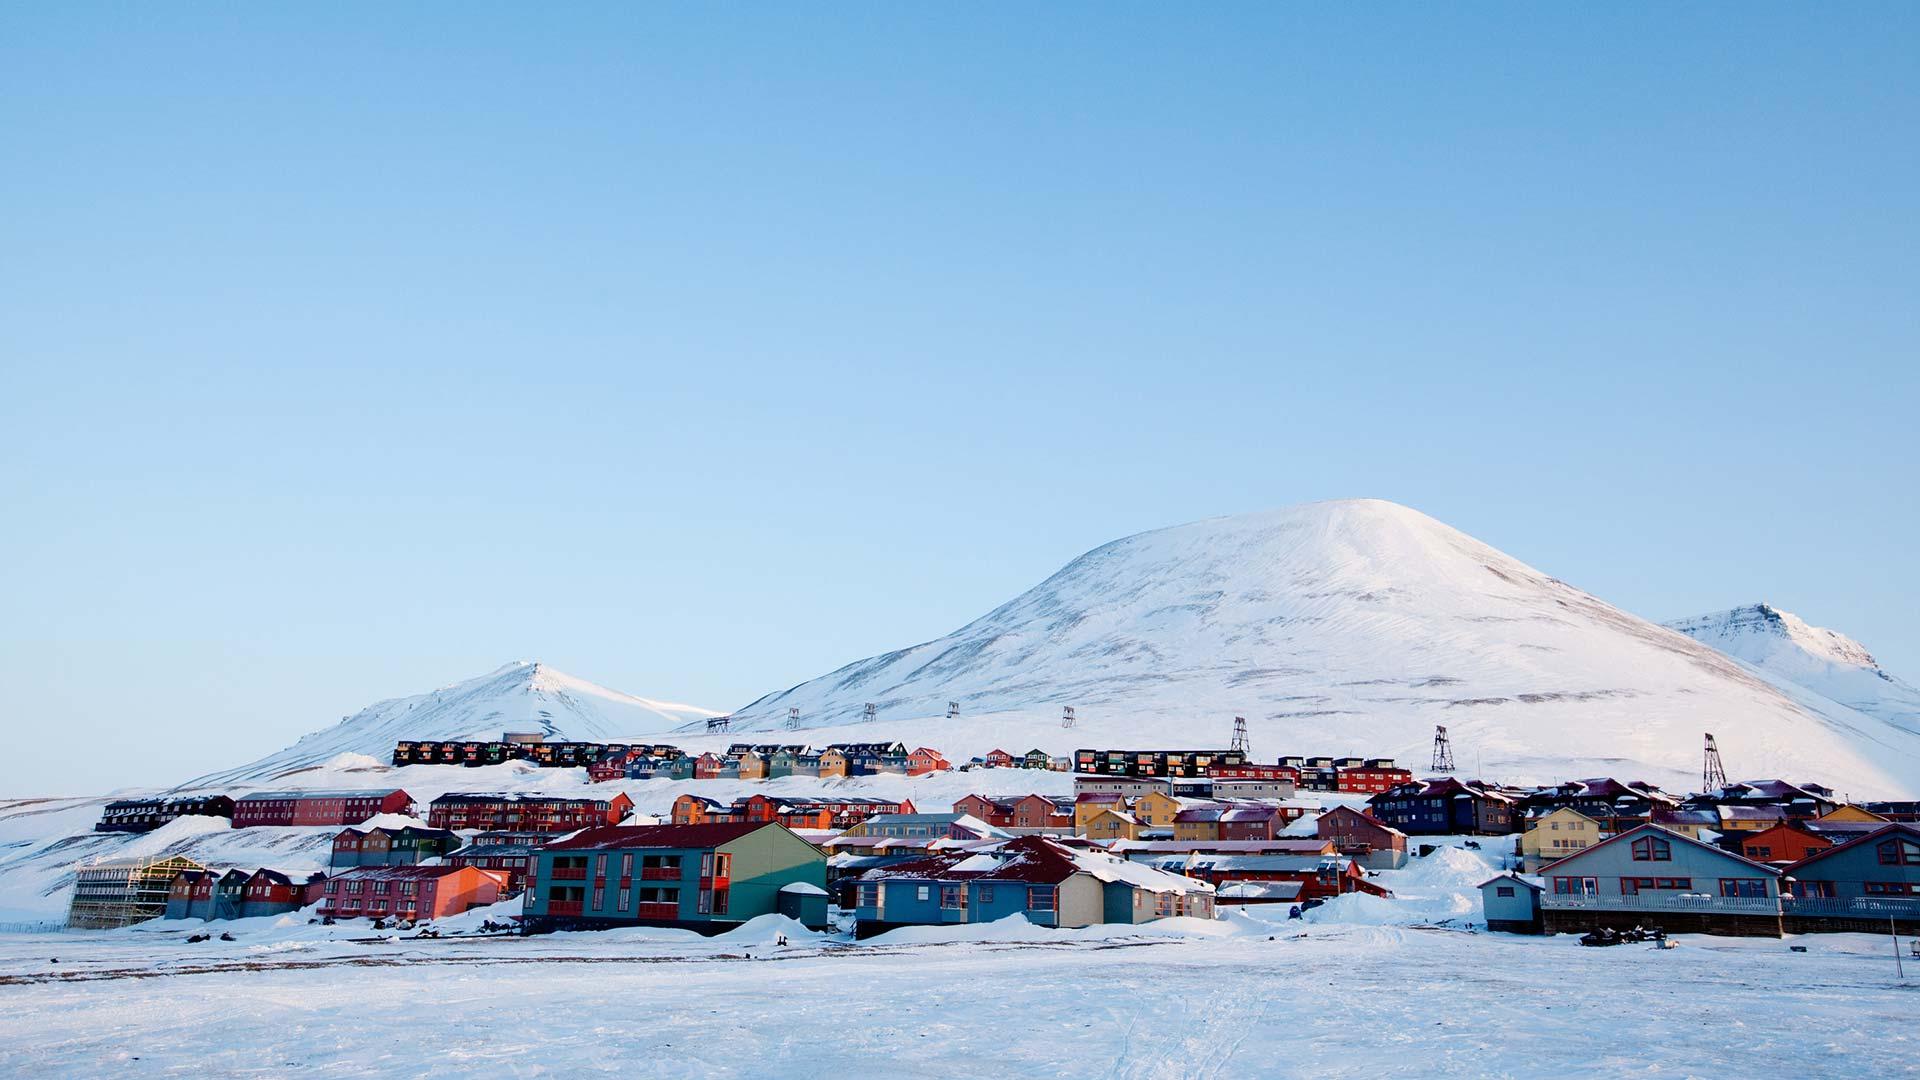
(350, 350)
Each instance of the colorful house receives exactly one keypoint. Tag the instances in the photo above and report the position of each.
(1650, 875)
(833, 762)
(283, 808)
(146, 815)
(1446, 807)
(1511, 903)
(1363, 838)
(1046, 880)
(525, 812)
(926, 760)
(408, 892)
(1863, 884)
(707, 878)
(1787, 842)
(380, 846)
(507, 853)
(999, 759)
(1112, 824)
(1556, 835)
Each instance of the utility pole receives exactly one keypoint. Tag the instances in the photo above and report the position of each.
(793, 718)
(1066, 716)
(868, 714)
(953, 710)
(1240, 743)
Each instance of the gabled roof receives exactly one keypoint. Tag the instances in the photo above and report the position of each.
(1528, 880)
(1891, 828)
(609, 837)
(398, 873)
(363, 793)
(1666, 834)
(1039, 860)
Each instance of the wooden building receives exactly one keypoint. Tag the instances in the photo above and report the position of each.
(408, 892)
(381, 846)
(121, 892)
(508, 853)
(1363, 838)
(708, 878)
(525, 812)
(1655, 877)
(1447, 807)
(283, 808)
(146, 815)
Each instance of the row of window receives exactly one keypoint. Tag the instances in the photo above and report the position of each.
(1590, 886)
(955, 897)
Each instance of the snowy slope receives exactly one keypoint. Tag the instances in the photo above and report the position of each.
(1827, 663)
(1348, 627)
(522, 696)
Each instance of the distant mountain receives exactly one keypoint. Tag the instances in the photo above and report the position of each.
(1784, 647)
(1348, 627)
(522, 696)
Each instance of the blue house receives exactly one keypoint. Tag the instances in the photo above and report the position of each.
(1050, 882)
(1862, 884)
(708, 877)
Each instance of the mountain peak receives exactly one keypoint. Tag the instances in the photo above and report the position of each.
(1722, 628)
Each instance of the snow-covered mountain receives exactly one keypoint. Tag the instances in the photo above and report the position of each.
(1347, 627)
(1785, 647)
(522, 696)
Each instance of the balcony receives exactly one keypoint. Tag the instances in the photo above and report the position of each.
(563, 907)
(659, 911)
(659, 873)
(1698, 903)
(569, 873)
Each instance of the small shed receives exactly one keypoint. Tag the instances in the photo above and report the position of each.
(804, 903)
(1511, 903)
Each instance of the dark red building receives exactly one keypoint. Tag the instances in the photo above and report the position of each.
(317, 807)
(517, 812)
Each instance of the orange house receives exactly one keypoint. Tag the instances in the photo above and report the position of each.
(833, 763)
(1784, 842)
(926, 760)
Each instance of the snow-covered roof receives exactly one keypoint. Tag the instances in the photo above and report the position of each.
(802, 888)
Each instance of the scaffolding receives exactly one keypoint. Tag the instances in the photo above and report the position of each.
(121, 892)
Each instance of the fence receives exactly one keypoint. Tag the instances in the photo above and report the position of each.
(1859, 907)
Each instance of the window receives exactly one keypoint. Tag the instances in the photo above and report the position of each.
(1576, 886)
(1040, 898)
(986, 894)
(599, 867)
(1888, 888)
(869, 894)
(1743, 887)
(704, 905)
(1898, 851)
(720, 901)
(626, 899)
(922, 892)
(1652, 849)
(1503, 891)
(953, 897)
(626, 867)
(600, 896)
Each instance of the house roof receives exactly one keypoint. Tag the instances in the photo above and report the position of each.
(363, 793)
(398, 873)
(607, 837)
(1260, 890)
(1528, 880)
(1302, 845)
(1665, 834)
(1040, 860)
(1885, 830)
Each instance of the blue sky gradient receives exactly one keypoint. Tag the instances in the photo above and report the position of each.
(351, 351)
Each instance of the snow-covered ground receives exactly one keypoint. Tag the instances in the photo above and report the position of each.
(1361, 986)
(1239, 997)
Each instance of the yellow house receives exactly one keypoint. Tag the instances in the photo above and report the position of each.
(833, 763)
(1557, 835)
(1199, 824)
(1156, 809)
(1111, 824)
(752, 766)
(1088, 807)
(1850, 812)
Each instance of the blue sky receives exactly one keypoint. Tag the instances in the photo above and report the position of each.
(353, 351)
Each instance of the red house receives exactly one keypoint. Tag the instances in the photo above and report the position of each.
(999, 759)
(517, 812)
(926, 760)
(409, 892)
(614, 766)
(708, 766)
(317, 807)
(1372, 775)
(1363, 837)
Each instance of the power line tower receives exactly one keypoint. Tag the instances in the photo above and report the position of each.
(1240, 743)
(1442, 750)
(793, 718)
(953, 710)
(868, 714)
(1066, 716)
(719, 723)
(1713, 775)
